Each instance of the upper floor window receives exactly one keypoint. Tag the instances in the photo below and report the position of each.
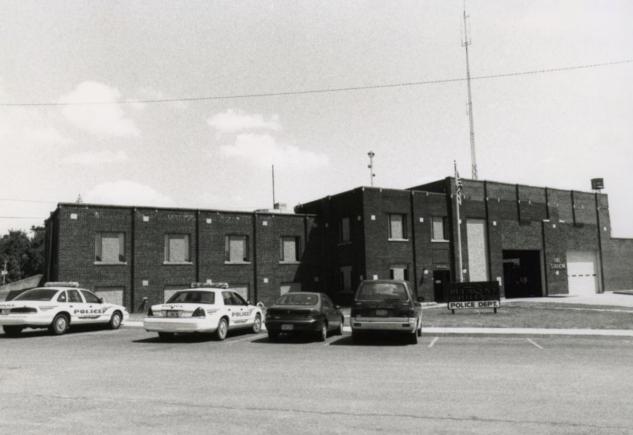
(344, 235)
(110, 248)
(236, 249)
(177, 248)
(397, 227)
(439, 229)
(289, 249)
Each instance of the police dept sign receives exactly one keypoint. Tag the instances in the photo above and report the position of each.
(481, 294)
(473, 304)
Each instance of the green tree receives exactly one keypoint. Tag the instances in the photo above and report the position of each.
(24, 254)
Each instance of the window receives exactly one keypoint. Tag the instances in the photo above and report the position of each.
(240, 289)
(231, 298)
(90, 297)
(110, 248)
(289, 249)
(344, 230)
(439, 229)
(74, 296)
(238, 300)
(346, 278)
(236, 249)
(177, 248)
(61, 297)
(400, 272)
(397, 227)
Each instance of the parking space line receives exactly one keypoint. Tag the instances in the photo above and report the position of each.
(432, 343)
(534, 343)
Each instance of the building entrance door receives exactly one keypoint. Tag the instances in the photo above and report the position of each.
(440, 280)
(522, 273)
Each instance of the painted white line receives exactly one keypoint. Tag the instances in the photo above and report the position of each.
(247, 338)
(433, 342)
(534, 343)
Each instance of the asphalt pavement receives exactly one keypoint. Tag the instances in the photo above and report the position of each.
(127, 381)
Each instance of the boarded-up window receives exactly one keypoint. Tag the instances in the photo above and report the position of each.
(290, 248)
(397, 227)
(110, 247)
(236, 249)
(440, 228)
(111, 294)
(177, 248)
(289, 287)
(400, 272)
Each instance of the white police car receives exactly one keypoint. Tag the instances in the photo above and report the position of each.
(205, 308)
(56, 306)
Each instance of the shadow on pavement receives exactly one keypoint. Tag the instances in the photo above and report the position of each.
(32, 333)
(191, 337)
(372, 340)
(288, 339)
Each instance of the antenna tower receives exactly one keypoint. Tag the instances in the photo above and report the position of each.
(466, 42)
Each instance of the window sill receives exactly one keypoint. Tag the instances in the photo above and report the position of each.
(103, 263)
(398, 240)
(439, 241)
(289, 262)
(237, 262)
(177, 263)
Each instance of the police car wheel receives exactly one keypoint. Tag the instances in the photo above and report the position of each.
(59, 325)
(115, 321)
(12, 331)
(257, 326)
(222, 330)
(413, 338)
(420, 331)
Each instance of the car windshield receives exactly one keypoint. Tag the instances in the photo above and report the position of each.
(37, 294)
(382, 291)
(298, 299)
(192, 297)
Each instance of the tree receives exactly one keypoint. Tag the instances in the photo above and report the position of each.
(24, 254)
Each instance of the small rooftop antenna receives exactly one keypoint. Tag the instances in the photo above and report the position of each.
(466, 42)
(372, 175)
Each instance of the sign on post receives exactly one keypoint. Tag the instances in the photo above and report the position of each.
(481, 294)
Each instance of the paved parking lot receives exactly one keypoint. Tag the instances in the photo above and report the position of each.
(127, 381)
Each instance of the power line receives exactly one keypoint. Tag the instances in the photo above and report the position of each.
(22, 217)
(322, 90)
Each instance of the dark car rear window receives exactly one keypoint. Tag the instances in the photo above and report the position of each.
(297, 299)
(382, 291)
(192, 297)
(38, 294)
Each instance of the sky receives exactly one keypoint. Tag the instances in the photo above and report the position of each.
(557, 129)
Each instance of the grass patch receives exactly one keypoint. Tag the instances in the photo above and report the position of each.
(532, 315)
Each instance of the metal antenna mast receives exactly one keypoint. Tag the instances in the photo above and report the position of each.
(466, 43)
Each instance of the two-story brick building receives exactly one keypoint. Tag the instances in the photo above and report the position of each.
(535, 241)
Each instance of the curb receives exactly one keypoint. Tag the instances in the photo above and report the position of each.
(529, 331)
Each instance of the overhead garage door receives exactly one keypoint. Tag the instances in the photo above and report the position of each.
(112, 295)
(582, 272)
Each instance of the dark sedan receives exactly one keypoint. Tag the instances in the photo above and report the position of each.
(303, 312)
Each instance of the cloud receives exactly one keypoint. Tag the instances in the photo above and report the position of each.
(233, 121)
(26, 128)
(95, 158)
(124, 192)
(262, 150)
(100, 119)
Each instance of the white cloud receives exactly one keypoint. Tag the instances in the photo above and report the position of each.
(101, 119)
(263, 150)
(233, 121)
(95, 158)
(25, 128)
(124, 192)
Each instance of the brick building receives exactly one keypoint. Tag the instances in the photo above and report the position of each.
(535, 241)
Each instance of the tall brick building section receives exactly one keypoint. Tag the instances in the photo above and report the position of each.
(534, 241)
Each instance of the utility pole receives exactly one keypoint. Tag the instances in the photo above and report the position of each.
(371, 155)
(466, 43)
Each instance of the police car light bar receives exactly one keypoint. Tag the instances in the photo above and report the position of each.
(61, 284)
(209, 284)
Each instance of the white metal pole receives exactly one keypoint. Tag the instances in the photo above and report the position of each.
(460, 274)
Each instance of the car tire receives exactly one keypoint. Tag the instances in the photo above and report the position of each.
(12, 331)
(413, 338)
(165, 335)
(322, 334)
(115, 320)
(59, 325)
(222, 329)
(257, 326)
(273, 335)
(339, 329)
(420, 331)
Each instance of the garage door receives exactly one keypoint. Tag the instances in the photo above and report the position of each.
(112, 295)
(582, 272)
